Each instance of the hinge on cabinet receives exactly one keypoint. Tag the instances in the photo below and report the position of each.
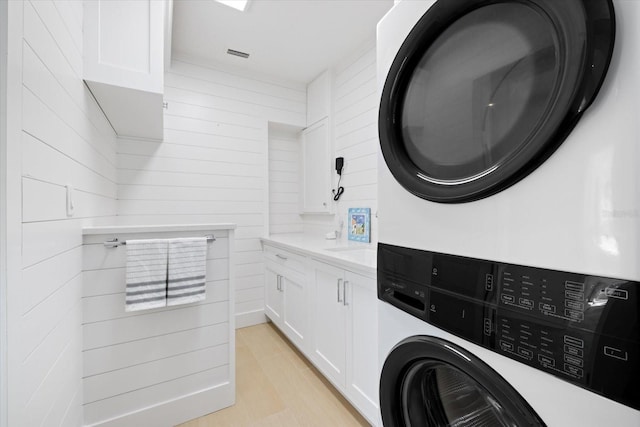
(165, 105)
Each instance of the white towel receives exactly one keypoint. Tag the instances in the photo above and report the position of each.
(146, 274)
(187, 270)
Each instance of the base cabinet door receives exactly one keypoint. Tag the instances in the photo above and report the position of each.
(295, 309)
(329, 321)
(362, 344)
(273, 294)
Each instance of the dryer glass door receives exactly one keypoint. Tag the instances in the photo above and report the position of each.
(483, 91)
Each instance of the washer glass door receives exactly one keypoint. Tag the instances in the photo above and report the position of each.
(427, 381)
(483, 91)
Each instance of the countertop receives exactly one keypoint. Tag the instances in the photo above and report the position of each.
(356, 256)
(110, 229)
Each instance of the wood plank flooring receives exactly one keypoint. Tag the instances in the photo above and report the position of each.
(278, 387)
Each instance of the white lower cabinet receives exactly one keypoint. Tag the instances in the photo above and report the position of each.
(330, 314)
(286, 294)
(362, 344)
(273, 297)
(329, 346)
(345, 334)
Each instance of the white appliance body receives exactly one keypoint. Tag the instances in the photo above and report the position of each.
(579, 211)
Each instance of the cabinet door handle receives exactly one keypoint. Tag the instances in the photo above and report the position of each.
(338, 289)
(278, 282)
(282, 257)
(344, 293)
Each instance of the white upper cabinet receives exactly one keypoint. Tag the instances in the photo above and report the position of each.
(318, 98)
(316, 169)
(124, 43)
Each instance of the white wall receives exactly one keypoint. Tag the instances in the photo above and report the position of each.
(212, 165)
(284, 180)
(64, 139)
(355, 133)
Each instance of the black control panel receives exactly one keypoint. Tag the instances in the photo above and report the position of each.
(583, 329)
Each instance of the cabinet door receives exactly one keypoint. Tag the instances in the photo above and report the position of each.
(362, 344)
(318, 98)
(329, 351)
(295, 309)
(316, 167)
(273, 295)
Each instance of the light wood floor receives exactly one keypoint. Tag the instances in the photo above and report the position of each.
(277, 386)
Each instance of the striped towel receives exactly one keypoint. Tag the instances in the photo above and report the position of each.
(146, 274)
(187, 270)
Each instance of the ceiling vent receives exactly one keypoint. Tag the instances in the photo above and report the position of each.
(237, 53)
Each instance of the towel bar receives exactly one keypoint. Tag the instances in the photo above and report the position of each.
(114, 243)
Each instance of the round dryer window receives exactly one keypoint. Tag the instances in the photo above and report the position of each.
(427, 381)
(483, 91)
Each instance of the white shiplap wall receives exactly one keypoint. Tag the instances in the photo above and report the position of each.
(284, 180)
(212, 164)
(355, 133)
(65, 140)
(160, 366)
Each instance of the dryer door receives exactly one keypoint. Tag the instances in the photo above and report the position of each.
(427, 381)
(483, 91)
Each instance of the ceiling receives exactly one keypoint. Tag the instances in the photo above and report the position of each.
(289, 39)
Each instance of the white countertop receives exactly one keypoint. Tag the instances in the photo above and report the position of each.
(110, 229)
(348, 254)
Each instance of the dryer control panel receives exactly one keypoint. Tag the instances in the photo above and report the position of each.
(581, 328)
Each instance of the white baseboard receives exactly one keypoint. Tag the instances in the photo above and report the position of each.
(179, 410)
(250, 318)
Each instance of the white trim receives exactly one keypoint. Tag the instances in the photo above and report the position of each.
(13, 205)
(250, 318)
(3, 213)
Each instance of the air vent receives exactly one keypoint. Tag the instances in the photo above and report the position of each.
(237, 53)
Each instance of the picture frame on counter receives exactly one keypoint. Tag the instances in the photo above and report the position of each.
(359, 223)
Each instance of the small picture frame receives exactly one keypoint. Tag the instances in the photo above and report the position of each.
(359, 223)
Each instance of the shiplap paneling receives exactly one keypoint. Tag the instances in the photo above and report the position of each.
(284, 178)
(65, 140)
(212, 163)
(129, 356)
(355, 131)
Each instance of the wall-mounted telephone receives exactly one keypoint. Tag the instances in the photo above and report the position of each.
(339, 165)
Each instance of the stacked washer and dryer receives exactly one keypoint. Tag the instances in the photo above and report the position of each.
(509, 213)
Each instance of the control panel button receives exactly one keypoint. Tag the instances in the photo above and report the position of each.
(616, 353)
(506, 346)
(579, 296)
(574, 305)
(574, 286)
(546, 361)
(525, 352)
(574, 315)
(543, 306)
(488, 282)
(573, 360)
(617, 293)
(526, 302)
(577, 342)
(487, 326)
(507, 298)
(574, 351)
(573, 370)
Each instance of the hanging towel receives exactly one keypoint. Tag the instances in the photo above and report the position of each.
(187, 270)
(146, 274)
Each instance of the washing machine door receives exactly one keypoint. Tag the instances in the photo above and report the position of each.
(483, 91)
(427, 381)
